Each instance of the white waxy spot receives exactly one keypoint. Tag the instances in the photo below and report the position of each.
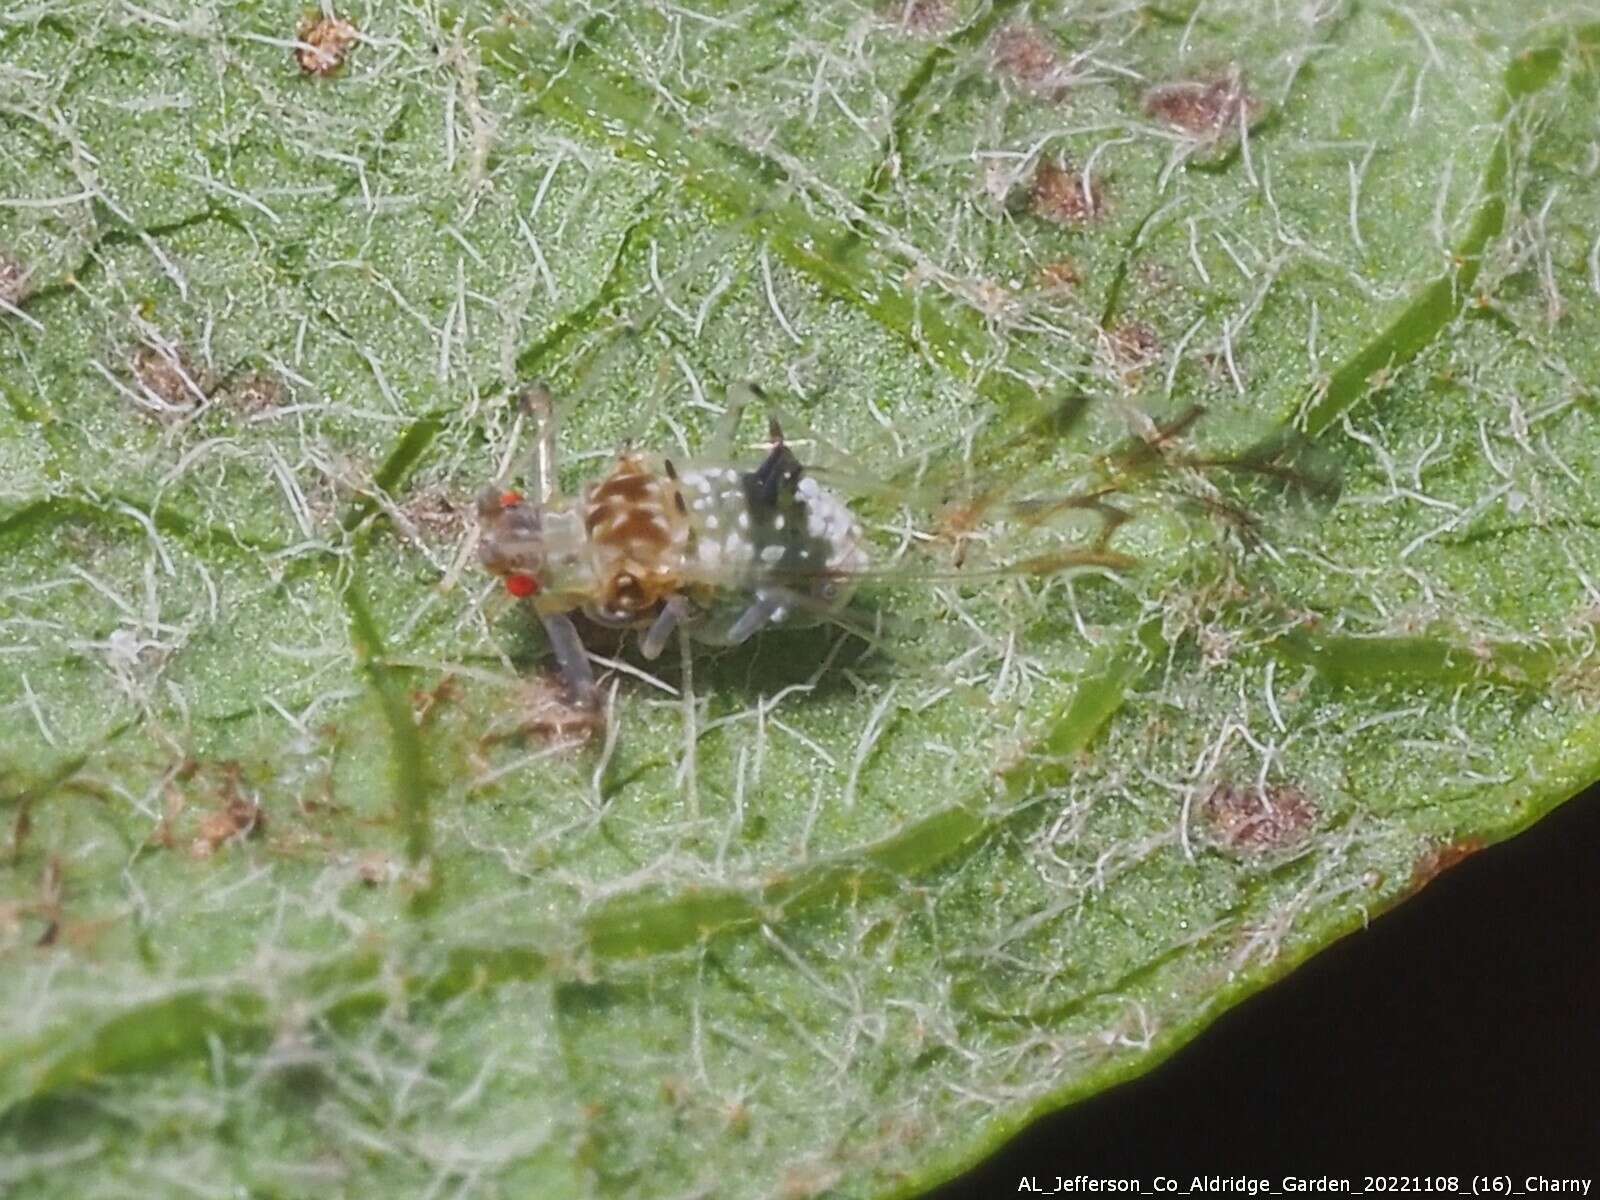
(778, 614)
(777, 521)
(744, 520)
(712, 522)
(772, 554)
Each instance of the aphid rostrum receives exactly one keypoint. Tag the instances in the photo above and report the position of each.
(719, 552)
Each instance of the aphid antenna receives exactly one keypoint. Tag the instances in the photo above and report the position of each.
(537, 402)
(782, 425)
(740, 396)
(783, 428)
(623, 336)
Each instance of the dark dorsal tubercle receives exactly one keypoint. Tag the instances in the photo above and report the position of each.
(774, 481)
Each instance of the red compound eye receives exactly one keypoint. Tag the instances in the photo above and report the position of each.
(522, 586)
(510, 499)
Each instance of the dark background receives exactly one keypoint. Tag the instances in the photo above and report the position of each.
(1458, 1033)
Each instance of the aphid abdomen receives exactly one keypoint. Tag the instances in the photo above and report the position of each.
(722, 550)
(777, 554)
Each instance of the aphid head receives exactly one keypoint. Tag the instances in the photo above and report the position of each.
(512, 545)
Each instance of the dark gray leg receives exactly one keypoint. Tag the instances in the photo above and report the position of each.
(655, 639)
(571, 657)
(770, 604)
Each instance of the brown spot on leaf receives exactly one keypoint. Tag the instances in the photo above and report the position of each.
(425, 706)
(920, 18)
(21, 827)
(1027, 56)
(542, 708)
(1062, 195)
(1131, 346)
(233, 815)
(19, 918)
(959, 523)
(1251, 821)
(258, 392)
(437, 514)
(1204, 109)
(51, 891)
(736, 1117)
(169, 378)
(324, 43)
(14, 277)
(1436, 860)
(1058, 278)
(237, 819)
(811, 1177)
(375, 867)
(676, 1091)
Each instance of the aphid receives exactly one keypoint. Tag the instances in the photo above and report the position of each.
(716, 551)
(719, 552)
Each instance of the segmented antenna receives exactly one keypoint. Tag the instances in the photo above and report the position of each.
(537, 403)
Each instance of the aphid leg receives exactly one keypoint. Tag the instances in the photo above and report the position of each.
(671, 615)
(767, 604)
(688, 767)
(571, 658)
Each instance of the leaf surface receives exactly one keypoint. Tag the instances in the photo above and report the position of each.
(304, 886)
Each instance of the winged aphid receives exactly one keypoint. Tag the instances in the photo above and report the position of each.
(720, 551)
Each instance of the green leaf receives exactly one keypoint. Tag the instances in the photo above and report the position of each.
(306, 883)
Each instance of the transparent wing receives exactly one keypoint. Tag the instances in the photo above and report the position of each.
(1071, 516)
(955, 523)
